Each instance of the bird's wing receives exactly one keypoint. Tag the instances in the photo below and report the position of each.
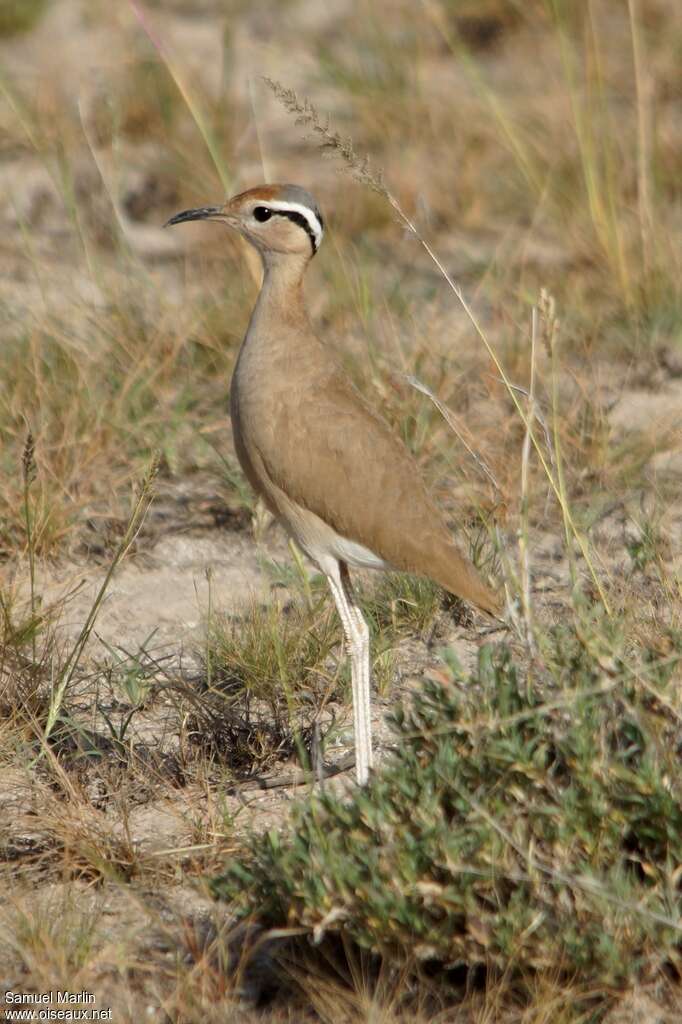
(333, 455)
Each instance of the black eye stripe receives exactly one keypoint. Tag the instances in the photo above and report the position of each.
(298, 218)
(264, 213)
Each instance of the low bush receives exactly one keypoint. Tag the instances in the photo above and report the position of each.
(529, 817)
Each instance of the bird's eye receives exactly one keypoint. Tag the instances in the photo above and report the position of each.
(261, 213)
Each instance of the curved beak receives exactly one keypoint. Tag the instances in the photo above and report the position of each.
(202, 213)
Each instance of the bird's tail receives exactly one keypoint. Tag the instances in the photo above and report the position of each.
(460, 578)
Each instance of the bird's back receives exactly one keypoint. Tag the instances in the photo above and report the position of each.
(304, 431)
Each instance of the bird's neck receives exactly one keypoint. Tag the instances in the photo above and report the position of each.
(279, 345)
(281, 301)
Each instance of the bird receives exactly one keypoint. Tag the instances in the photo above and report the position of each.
(326, 464)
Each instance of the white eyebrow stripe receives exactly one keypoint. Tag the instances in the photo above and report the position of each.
(304, 211)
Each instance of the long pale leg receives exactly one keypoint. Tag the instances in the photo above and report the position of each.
(365, 664)
(356, 633)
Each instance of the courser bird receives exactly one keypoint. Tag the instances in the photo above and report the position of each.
(326, 464)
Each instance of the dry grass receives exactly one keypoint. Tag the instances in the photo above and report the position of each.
(527, 149)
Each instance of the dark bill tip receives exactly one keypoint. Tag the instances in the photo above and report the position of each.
(202, 213)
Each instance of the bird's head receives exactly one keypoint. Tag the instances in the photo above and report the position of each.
(281, 219)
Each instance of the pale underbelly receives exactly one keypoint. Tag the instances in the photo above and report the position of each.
(320, 541)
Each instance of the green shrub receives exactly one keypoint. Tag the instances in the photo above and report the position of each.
(529, 819)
